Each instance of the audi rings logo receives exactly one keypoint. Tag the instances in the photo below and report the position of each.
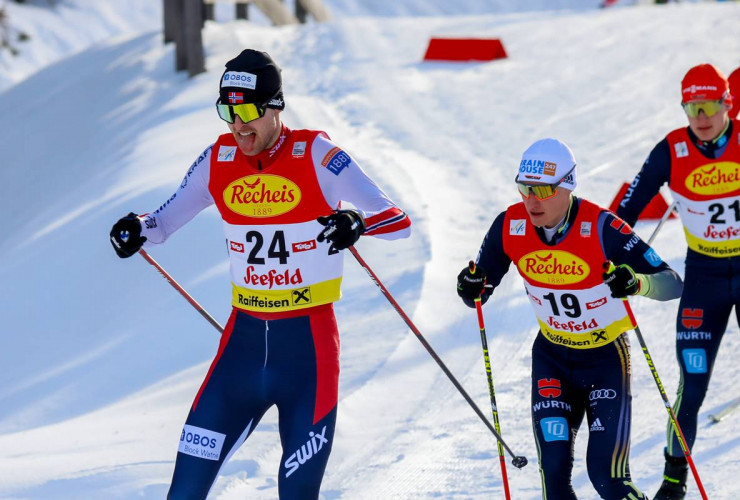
(602, 394)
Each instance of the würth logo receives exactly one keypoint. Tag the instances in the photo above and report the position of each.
(549, 387)
(692, 318)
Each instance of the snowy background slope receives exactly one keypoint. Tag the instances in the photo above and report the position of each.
(101, 358)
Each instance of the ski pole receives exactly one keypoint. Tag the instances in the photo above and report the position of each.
(517, 461)
(491, 391)
(609, 266)
(662, 221)
(182, 291)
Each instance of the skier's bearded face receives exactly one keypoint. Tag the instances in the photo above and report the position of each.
(257, 135)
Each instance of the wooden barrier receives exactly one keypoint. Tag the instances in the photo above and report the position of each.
(184, 19)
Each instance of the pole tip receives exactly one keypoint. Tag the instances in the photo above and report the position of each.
(519, 462)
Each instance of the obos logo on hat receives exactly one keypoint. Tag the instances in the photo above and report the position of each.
(548, 161)
(239, 79)
(703, 83)
(252, 77)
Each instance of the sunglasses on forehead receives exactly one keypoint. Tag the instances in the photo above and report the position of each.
(541, 191)
(710, 108)
(247, 112)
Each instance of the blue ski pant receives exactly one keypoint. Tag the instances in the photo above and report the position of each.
(711, 289)
(292, 363)
(568, 384)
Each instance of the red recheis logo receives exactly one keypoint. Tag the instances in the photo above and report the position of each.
(236, 247)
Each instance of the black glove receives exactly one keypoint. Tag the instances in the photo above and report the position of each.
(471, 283)
(622, 280)
(125, 236)
(343, 229)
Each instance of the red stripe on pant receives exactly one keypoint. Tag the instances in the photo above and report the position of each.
(228, 329)
(326, 345)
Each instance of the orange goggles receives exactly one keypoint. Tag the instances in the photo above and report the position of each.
(710, 108)
(541, 191)
(247, 112)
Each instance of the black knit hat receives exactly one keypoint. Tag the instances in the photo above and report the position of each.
(252, 76)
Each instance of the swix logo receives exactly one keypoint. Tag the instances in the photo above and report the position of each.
(692, 318)
(549, 387)
(277, 146)
(554, 267)
(719, 178)
(596, 303)
(304, 246)
(272, 278)
(236, 247)
(315, 443)
(262, 195)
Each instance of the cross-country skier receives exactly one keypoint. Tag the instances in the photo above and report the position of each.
(559, 244)
(279, 193)
(734, 83)
(701, 164)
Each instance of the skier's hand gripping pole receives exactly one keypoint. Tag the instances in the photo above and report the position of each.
(491, 391)
(517, 461)
(609, 267)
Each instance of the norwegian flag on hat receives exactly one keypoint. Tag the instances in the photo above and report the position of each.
(236, 97)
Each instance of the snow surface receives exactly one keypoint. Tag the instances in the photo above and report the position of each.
(101, 358)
